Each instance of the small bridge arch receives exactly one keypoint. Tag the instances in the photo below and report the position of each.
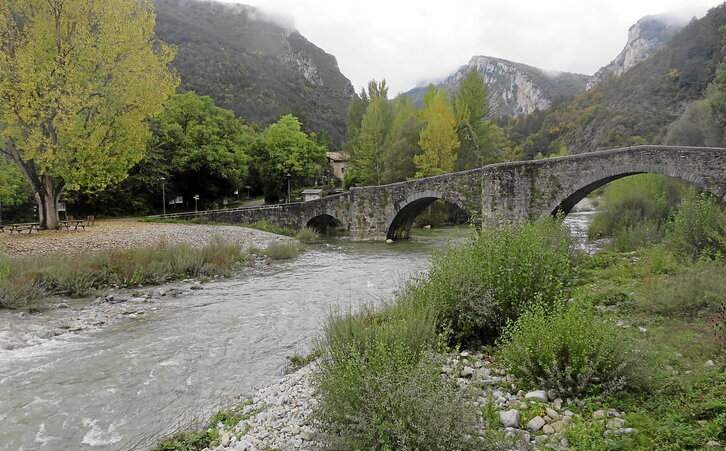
(324, 222)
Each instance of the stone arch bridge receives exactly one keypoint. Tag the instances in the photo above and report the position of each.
(500, 193)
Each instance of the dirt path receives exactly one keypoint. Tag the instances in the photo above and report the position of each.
(124, 234)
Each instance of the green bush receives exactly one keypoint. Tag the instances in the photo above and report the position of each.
(380, 388)
(567, 347)
(698, 288)
(281, 251)
(307, 235)
(634, 209)
(698, 228)
(187, 441)
(474, 290)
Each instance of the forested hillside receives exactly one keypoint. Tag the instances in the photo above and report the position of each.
(253, 66)
(635, 107)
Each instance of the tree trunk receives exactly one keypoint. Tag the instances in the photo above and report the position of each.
(50, 195)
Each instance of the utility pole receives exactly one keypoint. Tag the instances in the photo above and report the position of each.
(163, 195)
(288, 187)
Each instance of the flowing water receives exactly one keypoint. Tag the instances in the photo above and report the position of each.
(131, 382)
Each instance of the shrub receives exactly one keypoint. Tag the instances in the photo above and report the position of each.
(568, 348)
(474, 290)
(307, 235)
(698, 228)
(380, 388)
(698, 288)
(281, 251)
(633, 200)
(718, 324)
(187, 441)
(645, 233)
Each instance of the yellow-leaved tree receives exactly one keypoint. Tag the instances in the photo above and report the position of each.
(438, 139)
(78, 79)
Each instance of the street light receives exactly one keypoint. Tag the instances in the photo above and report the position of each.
(196, 198)
(163, 195)
(288, 187)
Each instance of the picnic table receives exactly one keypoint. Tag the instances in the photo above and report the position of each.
(75, 223)
(29, 226)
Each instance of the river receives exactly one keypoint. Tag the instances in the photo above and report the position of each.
(131, 382)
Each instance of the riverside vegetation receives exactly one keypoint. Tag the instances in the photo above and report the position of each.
(28, 283)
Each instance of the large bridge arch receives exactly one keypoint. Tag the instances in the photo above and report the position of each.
(400, 221)
(566, 200)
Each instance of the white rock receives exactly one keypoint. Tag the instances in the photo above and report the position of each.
(709, 363)
(509, 418)
(536, 423)
(467, 371)
(552, 414)
(539, 395)
(548, 429)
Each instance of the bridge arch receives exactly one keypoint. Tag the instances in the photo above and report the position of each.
(568, 199)
(324, 223)
(400, 221)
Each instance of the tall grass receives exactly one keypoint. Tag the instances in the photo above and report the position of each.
(29, 280)
(698, 228)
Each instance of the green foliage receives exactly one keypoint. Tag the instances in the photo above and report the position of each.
(698, 228)
(307, 235)
(696, 127)
(567, 347)
(285, 149)
(203, 148)
(281, 251)
(78, 80)
(380, 388)
(372, 141)
(634, 209)
(438, 139)
(32, 279)
(187, 441)
(14, 188)
(475, 290)
(697, 289)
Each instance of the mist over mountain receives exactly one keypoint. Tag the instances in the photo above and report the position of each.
(635, 106)
(254, 64)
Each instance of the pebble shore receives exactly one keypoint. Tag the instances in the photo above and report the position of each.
(279, 416)
(124, 234)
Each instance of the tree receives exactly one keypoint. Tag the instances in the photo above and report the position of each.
(78, 79)
(204, 147)
(482, 141)
(438, 140)
(284, 149)
(368, 148)
(13, 187)
(399, 161)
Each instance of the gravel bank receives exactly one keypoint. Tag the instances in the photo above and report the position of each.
(124, 234)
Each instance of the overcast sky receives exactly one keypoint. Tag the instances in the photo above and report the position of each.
(409, 42)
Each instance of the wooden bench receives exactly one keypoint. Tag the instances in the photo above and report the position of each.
(29, 226)
(75, 223)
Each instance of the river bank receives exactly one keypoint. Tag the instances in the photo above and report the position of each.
(127, 383)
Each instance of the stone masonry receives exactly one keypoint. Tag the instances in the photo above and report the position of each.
(493, 195)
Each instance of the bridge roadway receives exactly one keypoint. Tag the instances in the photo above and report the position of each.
(510, 192)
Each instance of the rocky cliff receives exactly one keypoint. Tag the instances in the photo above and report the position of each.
(256, 65)
(514, 88)
(644, 38)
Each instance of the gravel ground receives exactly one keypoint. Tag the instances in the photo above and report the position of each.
(124, 234)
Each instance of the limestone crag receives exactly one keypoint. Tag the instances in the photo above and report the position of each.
(514, 88)
(644, 38)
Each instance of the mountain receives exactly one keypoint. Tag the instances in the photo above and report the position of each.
(254, 65)
(645, 37)
(514, 88)
(636, 106)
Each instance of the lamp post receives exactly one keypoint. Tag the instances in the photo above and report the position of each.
(163, 195)
(288, 187)
(196, 198)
